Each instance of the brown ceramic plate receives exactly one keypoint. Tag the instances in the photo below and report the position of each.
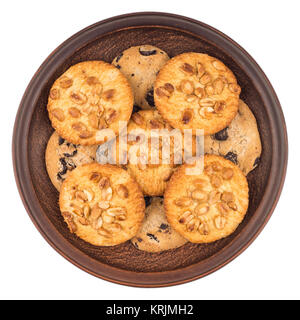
(125, 264)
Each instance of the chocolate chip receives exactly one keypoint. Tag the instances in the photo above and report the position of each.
(152, 236)
(147, 53)
(221, 135)
(232, 157)
(64, 166)
(60, 141)
(118, 66)
(136, 108)
(68, 155)
(59, 177)
(147, 201)
(132, 74)
(119, 57)
(150, 98)
(256, 162)
(63, 161)
(139, 239)
(71, 165)
(163, 226)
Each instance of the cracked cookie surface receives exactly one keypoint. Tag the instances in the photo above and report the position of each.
(239, 142)
(88, 97)
(140, 65)
(196, 91)
(61, 157)
(210, 205)
(156, 234)
(102, 204)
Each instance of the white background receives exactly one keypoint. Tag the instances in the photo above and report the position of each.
(30, 268)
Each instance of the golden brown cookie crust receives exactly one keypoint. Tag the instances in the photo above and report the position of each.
(209, 206)
(88, 97)
(102, 204)
(196, 91)
(239, 142)
(61, 157)
(156, 234)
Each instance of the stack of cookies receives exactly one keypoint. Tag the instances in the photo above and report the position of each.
(142, 98)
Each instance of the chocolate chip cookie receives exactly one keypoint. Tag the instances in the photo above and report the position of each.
(156, 234)
(62, 157)
(140, 66)
(239, 142)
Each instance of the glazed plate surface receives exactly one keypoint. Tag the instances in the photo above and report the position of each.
(124, 263)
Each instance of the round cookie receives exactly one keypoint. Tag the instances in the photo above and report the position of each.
(62, 156)
(196, 91)
(88, 97)
(208, 206)
(152, 177)
(239, 142)
(102, 204)
(140, 66)
(156, 234)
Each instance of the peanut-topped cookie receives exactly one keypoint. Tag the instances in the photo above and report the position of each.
(151, 171)
(196, 91)
(88, 97)
(102, 204)
(208, 206)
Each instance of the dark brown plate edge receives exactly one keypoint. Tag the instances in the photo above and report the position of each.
(227, 254)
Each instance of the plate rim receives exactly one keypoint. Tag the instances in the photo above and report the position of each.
(164, 278)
